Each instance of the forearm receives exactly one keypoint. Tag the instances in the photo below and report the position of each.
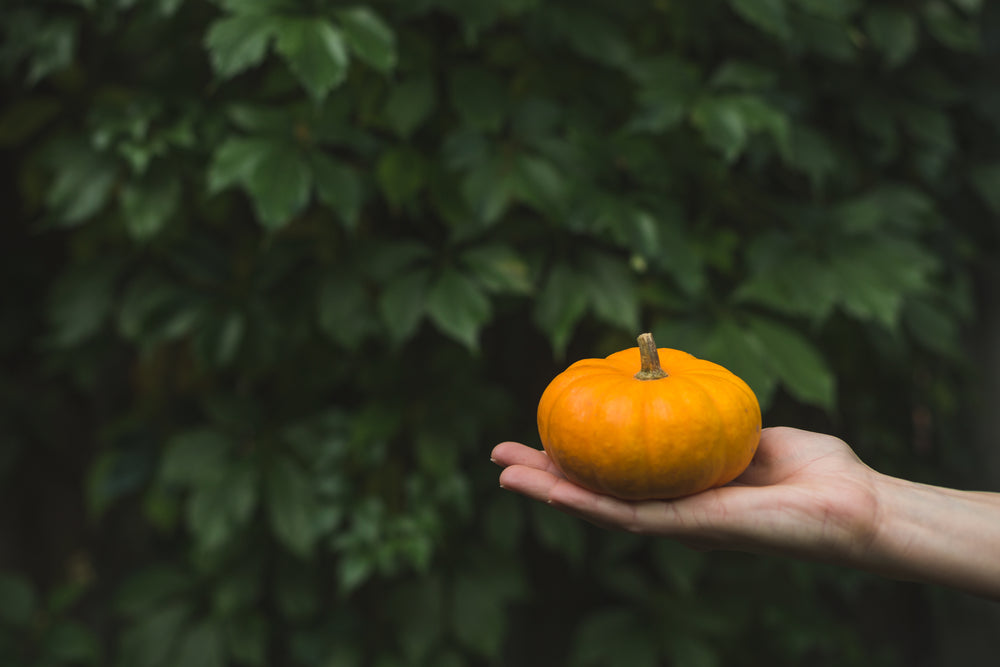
(937, 535)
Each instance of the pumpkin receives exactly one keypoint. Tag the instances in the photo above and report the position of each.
(649, 423)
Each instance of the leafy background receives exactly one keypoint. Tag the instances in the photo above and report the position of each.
(279, 273)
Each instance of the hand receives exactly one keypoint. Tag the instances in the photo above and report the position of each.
(804, 494)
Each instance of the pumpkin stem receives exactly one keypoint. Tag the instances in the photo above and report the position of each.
(650, 359)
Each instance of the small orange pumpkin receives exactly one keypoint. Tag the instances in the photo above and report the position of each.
(646, 423)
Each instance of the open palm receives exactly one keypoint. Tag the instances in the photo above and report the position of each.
(804, 494)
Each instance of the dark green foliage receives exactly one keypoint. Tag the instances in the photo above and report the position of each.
(279, 273)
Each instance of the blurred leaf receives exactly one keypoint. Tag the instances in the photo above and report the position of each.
(290, 506)
(149, 203)
(345, 313)
(314, 50)
(152, 586)
(369, 37)
(195, 458)
(986, 181)
(742, 75)
(667, 87)
(234, 160)
(402, 303)
(771, 16)
(247, 639)
(612, 290)
(409, 104)
(614, 637)
(892, 31)
(478, 609)
(151, 639)
(692, 651)
(80, 303)
(498, 268)
(236, 43)
(339, 187)
(200, 646)
(559, 532)
(478, 96)
(458, 307)
(400, 173)
(82, 183)
(215, 511)
(279, 184)
(69, 642)
(560, 305)
(20, 119)
(18, 603)
(541, 185)
(488, 188)
(951, 28)
(796, 362)
(722, 124)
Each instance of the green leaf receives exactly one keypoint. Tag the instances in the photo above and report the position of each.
(152, 638)
(229, 338)
(149, 203)
(82, 183)
(291, 506)
(20, 119)
(559, 532)
(69, 642)
(200, 646)
(797, 363)
(18, 603)
(894, 32)
(742, 76)
(314, 50)
(400, 173)
(80, 302)
(722, 125)
(339, 187)
(196, 458)
(986, 181)
(540, 184)
(770, 16)
(667, 88)
(402, 303)
(369, 37)
(345, 313)
(498, 268)
(216, 510)
(488, 188)
(811, 153)
(234, 160)
(149, 587)
(611, 290)
(877, 276)
(614, 637)
(409, 104)
(458, 307)
(479, 97)
(237, 43)
(951, 28)
(478, 609)
(560, 305)
(279, 185)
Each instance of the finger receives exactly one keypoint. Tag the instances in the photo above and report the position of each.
(563, 495)
(514, 453)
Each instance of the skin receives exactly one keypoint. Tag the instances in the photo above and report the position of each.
(805, 495)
